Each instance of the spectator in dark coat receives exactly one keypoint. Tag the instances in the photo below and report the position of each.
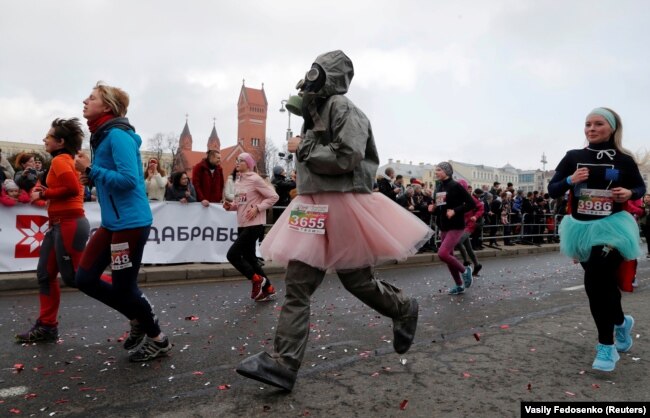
(283, 185)
(181, 190)
(387, 186)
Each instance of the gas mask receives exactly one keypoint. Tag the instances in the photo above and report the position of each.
(308, 90)
(314, 80)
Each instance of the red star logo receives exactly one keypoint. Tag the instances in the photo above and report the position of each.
(33, 227)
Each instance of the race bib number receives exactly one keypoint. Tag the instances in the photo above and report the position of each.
(441, 198)
(120, 256)
(595, 202)
(309, 219)
(240, 198)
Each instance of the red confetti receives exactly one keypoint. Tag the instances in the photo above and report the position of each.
(14, 411)
(19, 367)
(477, 336)
(465, 374)
(223, 387)
(530, 387)
(61, 401)
(595, 385)
(403, 404)
(30, 396)
(192, 318)
(504, 326)
(197, 373)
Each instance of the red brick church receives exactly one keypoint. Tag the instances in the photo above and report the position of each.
(251, 135)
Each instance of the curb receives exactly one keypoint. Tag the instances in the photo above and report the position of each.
(151, 275)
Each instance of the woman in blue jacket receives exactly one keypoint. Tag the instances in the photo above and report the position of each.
(117, 173)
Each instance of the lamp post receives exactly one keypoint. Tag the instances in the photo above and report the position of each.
(283, 109)
(543, 161)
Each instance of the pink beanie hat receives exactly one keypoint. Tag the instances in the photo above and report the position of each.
(250, 162)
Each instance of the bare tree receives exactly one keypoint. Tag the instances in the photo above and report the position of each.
(269, 158)
(164, 143)
(156, 144)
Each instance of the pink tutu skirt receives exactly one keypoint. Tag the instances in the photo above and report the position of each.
(361, 230)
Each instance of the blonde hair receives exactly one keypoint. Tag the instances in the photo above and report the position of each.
(618, 135)
(113, 97)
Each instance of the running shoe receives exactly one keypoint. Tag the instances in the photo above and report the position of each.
(39, 332)
(477, 268)
(136, 335)
(456, 290)
(267, 294)
(623, 334)
(258, 283)
(606, 357)
(151, 349)
(467, 277)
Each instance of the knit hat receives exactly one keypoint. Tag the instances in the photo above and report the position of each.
(277, 170)
(446, 167)
(10, 185)
(250, 162)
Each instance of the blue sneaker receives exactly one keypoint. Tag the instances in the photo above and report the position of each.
(606, 357)
(456, 290)
(467, 277)
(623, 333)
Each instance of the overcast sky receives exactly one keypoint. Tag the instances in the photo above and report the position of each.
(484, 82)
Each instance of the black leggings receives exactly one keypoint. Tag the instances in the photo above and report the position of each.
(604, 296)
(122, 250)
(242, 252)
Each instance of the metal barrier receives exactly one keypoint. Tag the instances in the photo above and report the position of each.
(533, 229)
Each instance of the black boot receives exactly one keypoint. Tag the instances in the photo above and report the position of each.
(264, 368)
(404, 329)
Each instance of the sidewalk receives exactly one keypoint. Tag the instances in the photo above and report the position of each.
(151, 275)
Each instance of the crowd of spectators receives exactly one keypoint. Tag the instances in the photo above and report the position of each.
(509, 216)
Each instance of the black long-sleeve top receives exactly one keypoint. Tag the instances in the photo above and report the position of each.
(608, 168)
(451, 195)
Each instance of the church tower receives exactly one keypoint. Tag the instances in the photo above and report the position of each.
(251, 115)
(214, 143)
(185, 141)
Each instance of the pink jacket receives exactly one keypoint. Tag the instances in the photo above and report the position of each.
(251, 190)
(478, 210)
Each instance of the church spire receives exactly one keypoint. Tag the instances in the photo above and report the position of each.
(214, 143)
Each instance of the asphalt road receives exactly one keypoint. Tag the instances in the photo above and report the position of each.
(349, 370)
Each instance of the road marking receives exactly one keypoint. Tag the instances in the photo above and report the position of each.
(574, 287)
(14, 391)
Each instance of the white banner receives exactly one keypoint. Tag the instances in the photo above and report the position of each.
(179, 234)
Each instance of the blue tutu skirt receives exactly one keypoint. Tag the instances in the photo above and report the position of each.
(619, 231)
